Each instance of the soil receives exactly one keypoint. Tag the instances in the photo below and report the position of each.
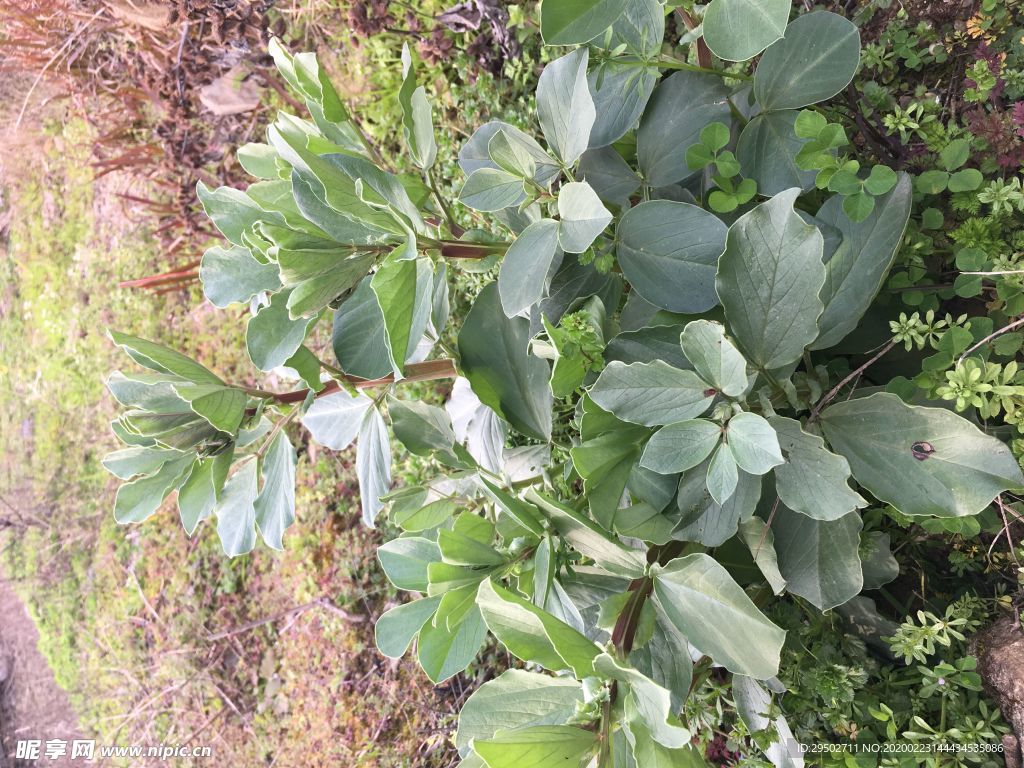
(32, 705)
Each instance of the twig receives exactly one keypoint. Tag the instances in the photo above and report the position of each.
(321, 602)
(838, 387)
(995, 334)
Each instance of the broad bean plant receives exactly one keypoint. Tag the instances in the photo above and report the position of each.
(654, 430)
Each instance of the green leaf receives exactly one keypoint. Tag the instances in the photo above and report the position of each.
(715, 614)
(416, 118)
(232, 211)
(516, 699)
(198, 495)
(130, 462)
(275, 506)
(317, 278)
(651, 394)
(714, 357)
(620, 93)
(404, 288)
(534, 635)
(704, 520)
(272, 336)
(236, 513)
(858, 206)
(589, 539)
(307, 366)
(526, 270)
(445, 650)
(955, 154)
(737, 30)
(491, 189)
(163, 360)
(605, 458)
(768, 280)
(496, 360)
(373, 464)
(816, 59)
(813, 481)
(881, 180)
(423, 429)
(664, 659)
(395, 629)
(682, 106)
(476, 153)
(334, 420)
(139, 499)
(966, 180)
(259, 160)
(405, 561)
(767, 151)
(574, 22)
(564, 104)
(855, 272)
(233, 276)
(650, 702)
(359, 337)
(583, 217)
(753, 443)
(641, 27)
(544, 746)
(723, 475)
(819, 559)
(669, 253)
(758, 537)
(923, 461)
(877, 561)
(681, 446)
(932, 182)
(223, 407)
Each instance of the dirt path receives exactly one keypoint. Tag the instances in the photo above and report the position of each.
(32, 705)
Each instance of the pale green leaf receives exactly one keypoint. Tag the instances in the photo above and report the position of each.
(669, 253)
(819, 559)
(272, 336)
(233, 276)
(923, 461)
(373, 464)
(543, 746)
(753, 443)
(573, 22)
(813, 481)
(715, 614)
(651, 394)
(236, 515)
(768, 280)
(564, 104)
(583, 217)
(526, 269)
(681, 446)
(275, 506)
(723, 475)
(714, 357)
(816, 59)
(404, 289)
(503, 374)
(334, 420)
(516, 699)
(737, 30)
(492, 189)
(395, 629)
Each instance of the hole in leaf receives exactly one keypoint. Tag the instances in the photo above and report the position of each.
(922, 450)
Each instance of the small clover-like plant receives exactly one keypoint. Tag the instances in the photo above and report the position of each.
(654, 432)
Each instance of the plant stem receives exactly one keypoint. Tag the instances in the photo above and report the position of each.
(455, 228)
(427, 371)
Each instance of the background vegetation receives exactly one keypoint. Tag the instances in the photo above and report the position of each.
(159, 638)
